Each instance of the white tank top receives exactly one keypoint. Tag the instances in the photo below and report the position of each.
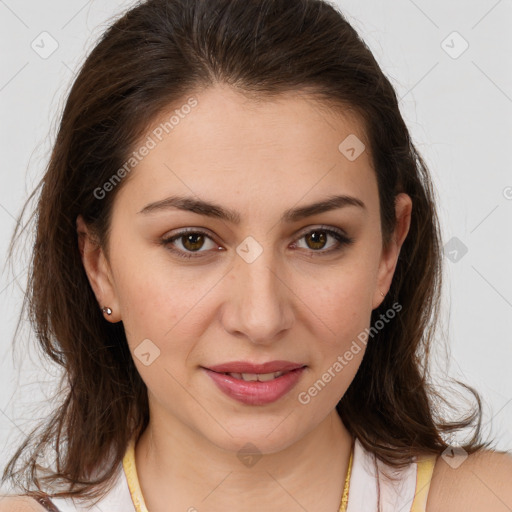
(370, 489)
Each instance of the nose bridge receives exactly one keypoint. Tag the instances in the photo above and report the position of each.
(260, 306)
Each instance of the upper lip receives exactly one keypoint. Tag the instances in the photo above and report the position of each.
(248, 367)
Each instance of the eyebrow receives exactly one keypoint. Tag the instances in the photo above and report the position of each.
(208, 209)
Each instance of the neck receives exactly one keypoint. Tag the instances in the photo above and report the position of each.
(179, 469)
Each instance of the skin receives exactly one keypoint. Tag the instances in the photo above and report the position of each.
(482, 482)
(259, 159)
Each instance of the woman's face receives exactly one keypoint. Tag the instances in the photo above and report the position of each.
(260, 276)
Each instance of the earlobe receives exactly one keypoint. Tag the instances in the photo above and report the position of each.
(390, 254)
(98, 271)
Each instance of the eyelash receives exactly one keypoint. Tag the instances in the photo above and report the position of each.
(341, 238)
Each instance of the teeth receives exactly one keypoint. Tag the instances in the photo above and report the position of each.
(251, 377)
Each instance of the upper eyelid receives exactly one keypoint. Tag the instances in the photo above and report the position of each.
(321, 227)
(186, 231)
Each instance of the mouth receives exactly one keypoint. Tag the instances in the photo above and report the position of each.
(253, 387)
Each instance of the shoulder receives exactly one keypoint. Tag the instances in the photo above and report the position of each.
(476, 482)
(19, 504)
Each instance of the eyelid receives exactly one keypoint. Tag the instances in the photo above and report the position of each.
(320, 227)
(184, 231)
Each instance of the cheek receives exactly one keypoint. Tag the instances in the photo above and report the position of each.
(339, 312)
(161, 311)
(341, 299)
(170, 307)
(342, 313)
(154, 293)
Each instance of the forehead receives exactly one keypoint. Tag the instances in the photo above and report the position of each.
(228, 145)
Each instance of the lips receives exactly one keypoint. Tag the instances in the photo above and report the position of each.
(256, 384)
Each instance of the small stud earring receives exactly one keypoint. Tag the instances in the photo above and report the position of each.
(382, 294)
(107, 310)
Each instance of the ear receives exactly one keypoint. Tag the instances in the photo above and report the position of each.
(389, 257)
(98, 270)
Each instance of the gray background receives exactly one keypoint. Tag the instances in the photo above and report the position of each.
(457, 105)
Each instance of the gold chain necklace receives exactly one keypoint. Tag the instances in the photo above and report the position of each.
(344, 497)
(136, 493)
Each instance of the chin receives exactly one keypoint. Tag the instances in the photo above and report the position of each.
(268, 435)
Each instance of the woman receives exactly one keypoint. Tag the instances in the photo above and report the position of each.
(237, 264)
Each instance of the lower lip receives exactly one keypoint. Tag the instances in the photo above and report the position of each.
(255, 392)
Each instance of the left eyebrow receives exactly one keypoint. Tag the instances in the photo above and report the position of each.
(332, 203)
(213, 210)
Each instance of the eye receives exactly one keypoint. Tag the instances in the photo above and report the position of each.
(190, 241)
(317, 240)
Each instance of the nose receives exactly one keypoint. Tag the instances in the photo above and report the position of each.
(259, 300)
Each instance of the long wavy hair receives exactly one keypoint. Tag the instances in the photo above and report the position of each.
(153, 56)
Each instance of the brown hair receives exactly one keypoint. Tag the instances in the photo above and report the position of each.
(152, 57)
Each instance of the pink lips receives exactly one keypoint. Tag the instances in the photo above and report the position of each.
(255, 392)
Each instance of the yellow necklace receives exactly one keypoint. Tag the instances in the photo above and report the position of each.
(136, 493)
(344, 497)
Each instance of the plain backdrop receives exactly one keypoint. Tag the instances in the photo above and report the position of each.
(450, 64)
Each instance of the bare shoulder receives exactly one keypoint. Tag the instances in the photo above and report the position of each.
(480, 481)
(19, 504)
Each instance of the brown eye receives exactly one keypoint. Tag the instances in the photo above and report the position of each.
(321, 241)
(192, 241)
(316, 239)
